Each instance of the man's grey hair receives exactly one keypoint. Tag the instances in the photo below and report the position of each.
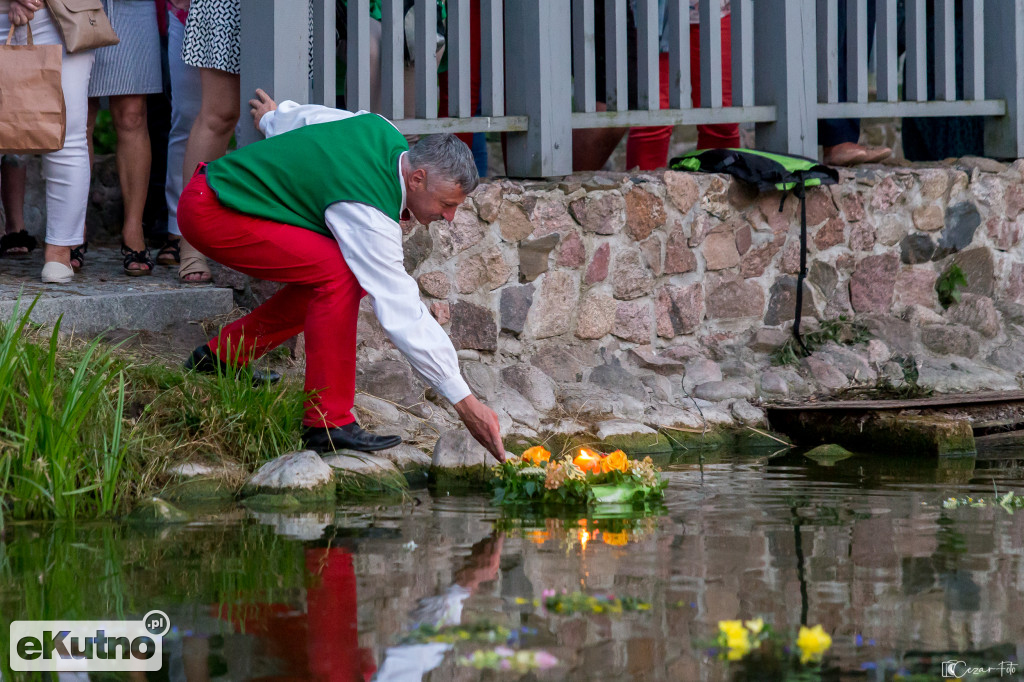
(448, 157)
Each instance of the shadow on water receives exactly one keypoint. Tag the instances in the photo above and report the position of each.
(861, 546)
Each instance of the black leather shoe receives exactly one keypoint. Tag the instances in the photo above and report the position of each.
(204, 361)
(348, 437)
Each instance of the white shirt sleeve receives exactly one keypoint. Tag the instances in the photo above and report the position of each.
(372, 246)
(290, 115)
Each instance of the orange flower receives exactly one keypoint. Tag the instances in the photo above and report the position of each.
(616, 539)
(616, 461)
(586, 461)
(536, 455)
(538, 537)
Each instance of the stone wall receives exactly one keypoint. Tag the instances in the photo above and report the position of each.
(660, 297)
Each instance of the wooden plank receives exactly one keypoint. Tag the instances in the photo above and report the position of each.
(886, 39)
(584, 79)
(986, 397)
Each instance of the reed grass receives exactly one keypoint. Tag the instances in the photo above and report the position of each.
(86, 429)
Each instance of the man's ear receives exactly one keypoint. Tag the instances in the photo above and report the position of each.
(418, 179)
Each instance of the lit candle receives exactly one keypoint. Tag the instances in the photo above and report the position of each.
(585, 461)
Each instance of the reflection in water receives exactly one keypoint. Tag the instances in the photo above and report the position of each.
(863, 547)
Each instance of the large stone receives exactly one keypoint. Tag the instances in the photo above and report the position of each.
(886, 194)
(824, 276)
(717, 391)
(515, 306)
(851, 363)
(548, 214)
(679, 310)
(873, 283)
(473, 326)
(916, 248)
(782, 302)
(464, 231)
(513, 223)
(929, 218)
(733, 299)
(597, 271)
(978, 267)
(634, 438)
(830, 234)
(962, 221)
(679, 258)
(950, 340)
(651, 250)
(618, 380)
(825, 374)
(552, 312)
(916, 286)
(391, 380)
(487, 198)
(820, 206)
(435, 284)
(773, 384)
(682, 190)
(559, 362)
(768, 340)
(720, 251)
(596, 317)
(1005, 234)
(862, 236)
(457, 453)
(485, 269)
(518, 409)
(303, 475)
(700, 371)
(644, 213)
(630, 276)
(417, 248)
(746, 413)
(442, 311)
(853, 207)
(571, 253)
(600, 212)
(368, 472)
(533, 256)
(532, 384)
(976, 312)
(756, 260)
(646, 357)
(633, 321)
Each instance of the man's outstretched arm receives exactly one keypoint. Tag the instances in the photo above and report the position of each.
(372, 246)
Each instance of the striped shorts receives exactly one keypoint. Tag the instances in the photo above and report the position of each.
(132, 67)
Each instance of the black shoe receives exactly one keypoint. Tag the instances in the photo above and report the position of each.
(348, 437)
(204, 361)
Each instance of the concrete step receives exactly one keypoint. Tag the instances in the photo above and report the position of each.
(102, 297)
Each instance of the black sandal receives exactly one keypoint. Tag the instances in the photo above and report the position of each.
(78, 254)
(17, 240)
(137, 257)
(170, 253)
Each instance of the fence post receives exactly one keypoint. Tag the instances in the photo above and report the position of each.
(274, 56)
(538, 84)
(1004, 77)
(323, 84)
(785, 70)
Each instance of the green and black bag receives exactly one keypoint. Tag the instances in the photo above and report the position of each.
(768, 172)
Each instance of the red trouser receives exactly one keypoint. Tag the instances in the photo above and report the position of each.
(320, 297)
(647, 147)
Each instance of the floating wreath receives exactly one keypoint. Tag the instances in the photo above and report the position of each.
(589, 478)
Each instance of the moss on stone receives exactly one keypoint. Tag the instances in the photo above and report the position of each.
(828, 455)
(271, 502)
(460, 479)
(198, 489)
(157, 511)
(304, 496)
(516, 444)
(637, 444)
(353, 484)
(689, 440)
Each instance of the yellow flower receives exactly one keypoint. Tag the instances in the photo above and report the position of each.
(536, 455)
(616, 539)
(813, 643)
(755, 626)
(616, 461)
(737, 639)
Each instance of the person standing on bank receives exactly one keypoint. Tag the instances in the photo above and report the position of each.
(316, 206)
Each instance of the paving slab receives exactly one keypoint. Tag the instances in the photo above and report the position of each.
(102, 297)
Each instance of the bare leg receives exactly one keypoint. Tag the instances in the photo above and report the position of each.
(211, 133)
(133, 163)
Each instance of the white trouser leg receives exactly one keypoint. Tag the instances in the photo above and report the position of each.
(67, 171)
(186, 96)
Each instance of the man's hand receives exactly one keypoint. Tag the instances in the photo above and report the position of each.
(23, 11)
(261, 104)
(483, 424)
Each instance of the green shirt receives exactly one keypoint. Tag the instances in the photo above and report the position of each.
(293, 177)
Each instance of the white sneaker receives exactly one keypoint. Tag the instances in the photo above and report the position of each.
(57, 273)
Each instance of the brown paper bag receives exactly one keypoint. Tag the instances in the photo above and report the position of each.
(32, 116)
